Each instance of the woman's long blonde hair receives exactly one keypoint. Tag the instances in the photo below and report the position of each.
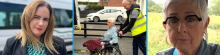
(27, 35)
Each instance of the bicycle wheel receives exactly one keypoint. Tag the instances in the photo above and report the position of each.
(116, 51)
(103, 52)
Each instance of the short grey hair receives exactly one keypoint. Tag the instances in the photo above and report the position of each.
(112, 19)
(127, 1)
(201, 4)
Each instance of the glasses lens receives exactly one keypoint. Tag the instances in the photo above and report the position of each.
(191, 21)
(173, 22)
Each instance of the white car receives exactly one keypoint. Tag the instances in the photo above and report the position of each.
(104, 14)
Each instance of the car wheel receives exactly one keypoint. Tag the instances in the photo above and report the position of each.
(119, 18)
(96, 19)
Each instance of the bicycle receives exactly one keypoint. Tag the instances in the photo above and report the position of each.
(114, 49)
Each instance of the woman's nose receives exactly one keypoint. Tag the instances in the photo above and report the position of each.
(182, 28)
(40, 23)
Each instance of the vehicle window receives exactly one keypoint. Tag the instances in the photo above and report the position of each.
(12, 21)
(107, 11)
(15, 19)
(62, 18)
(66, 21)
(119, 10)
(2, 18)
(56, 16)
(112, 10)
(10, 15)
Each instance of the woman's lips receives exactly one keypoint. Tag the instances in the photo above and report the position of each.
(183, 40)
(38, 29)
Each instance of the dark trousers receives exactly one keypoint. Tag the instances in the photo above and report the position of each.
(139, 42)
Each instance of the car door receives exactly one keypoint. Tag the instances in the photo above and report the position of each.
(105, 14)
(114, 13)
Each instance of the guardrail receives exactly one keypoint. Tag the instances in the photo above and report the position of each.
(85, 29)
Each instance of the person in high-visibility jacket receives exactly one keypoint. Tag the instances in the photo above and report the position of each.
(135, 22)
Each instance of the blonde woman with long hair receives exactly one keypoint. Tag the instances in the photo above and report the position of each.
(36, 36)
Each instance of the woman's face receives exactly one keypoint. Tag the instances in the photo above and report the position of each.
(109, 23)
(39, 23)
(184, 34)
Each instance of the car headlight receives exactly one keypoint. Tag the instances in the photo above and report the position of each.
(89, 15)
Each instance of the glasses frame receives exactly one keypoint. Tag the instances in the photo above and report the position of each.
(199, 19)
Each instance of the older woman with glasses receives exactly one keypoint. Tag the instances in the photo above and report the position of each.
(186, 22)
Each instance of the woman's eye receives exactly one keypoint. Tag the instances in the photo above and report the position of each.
(46, 19)
(190, 19)
(174, 20)
(36, 17)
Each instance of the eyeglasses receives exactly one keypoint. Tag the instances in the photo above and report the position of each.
(190, 21)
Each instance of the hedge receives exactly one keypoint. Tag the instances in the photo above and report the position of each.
(86, 3)
(92, 6)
